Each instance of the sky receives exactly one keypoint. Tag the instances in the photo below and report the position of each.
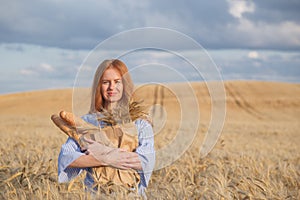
(46, 44)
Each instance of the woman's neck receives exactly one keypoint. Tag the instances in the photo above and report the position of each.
(110, 106)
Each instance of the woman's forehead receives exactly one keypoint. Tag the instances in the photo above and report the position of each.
(111, 73)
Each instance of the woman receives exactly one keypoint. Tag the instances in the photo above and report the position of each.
(111, 96)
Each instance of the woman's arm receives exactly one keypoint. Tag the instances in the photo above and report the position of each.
(145, 152)
(70, 151)
(127, 160)
(109, 156)
(86, 161)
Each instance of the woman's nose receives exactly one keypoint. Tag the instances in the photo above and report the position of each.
(111, 85)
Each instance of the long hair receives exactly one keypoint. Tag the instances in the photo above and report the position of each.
(97, 101)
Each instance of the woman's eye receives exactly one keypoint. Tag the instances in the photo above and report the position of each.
(104, 82)
(118, 81)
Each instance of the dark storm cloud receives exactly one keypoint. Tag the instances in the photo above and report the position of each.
(54, 23)
(81, 24)
(274, 11)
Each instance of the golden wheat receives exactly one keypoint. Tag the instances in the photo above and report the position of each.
(256, 157)
(28, 170)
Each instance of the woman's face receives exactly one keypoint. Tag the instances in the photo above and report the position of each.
(111, 86)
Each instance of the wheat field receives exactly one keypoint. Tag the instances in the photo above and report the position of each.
(257, 155)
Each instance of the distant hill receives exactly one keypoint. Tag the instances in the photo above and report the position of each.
(250, 99)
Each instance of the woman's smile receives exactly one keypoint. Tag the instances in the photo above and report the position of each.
(112, 93)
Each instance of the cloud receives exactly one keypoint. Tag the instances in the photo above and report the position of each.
(28, 72)
(44, 43)
(47, 71)
(275, 11)
(43, 69)
(284, 36)
(237, 8)
(255, 58)
(14, 47)
(267, 65)
(215, 24)
(253, 55)
(54, 68)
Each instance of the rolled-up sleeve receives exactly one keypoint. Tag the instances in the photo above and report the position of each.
(69, 152)
(146, 152)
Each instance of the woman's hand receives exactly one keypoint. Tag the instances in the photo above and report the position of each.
(132, 161)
